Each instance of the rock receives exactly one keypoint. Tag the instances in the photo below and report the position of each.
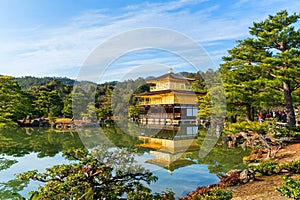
(246, 176)
(35, 123)
(234, 172)
(240, 139)
(245, 134)
(226, 139)
(229, 140)
(253, 164)
(242, 176)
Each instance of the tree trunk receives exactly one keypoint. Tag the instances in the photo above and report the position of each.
(233, 118)
(291, 118)
(248, 112)
(252, 113)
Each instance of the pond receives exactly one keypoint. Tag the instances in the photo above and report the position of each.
(171, 153)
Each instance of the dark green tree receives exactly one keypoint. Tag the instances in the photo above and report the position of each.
(271, 55)
(51, 98)
(48, 102)
(205, 106)
(103, 109)
(13, 102)
(245, 86)
(101, 174)
(67, 110)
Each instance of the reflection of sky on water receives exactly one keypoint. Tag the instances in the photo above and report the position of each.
(30, 162)
(182, 180)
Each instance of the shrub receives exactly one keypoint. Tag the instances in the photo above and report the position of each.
(233, 128)
(271, 167)
(216, 194)
(293, 166)
(290, 188)
(266, 168)
(287, 131)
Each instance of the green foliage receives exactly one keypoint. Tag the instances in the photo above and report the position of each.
(28, 81)
(247, 126)
(287, 131)
(103, 101)
(263, 65)
(21, 141)
(11, 188)
(293, 166)
(290, 188)
(67, 109)
(13, 102)
(266, 168)
(49, 98)
(205, 106)
(272, 167)
(216, 194)
(101, 174)
(133, 111)
(6, 163)
(123, 102)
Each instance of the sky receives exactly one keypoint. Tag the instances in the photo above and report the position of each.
(56, 37)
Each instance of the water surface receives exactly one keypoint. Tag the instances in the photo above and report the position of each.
(171, 154)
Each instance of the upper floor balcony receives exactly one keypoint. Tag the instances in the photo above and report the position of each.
(170, 86)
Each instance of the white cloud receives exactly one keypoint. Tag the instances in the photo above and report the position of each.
(42, 51)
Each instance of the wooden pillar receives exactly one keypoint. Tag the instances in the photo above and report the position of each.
(173, 111)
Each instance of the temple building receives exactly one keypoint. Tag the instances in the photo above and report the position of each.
(170, 101)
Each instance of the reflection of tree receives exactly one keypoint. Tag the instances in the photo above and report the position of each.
(46, 143)
(6, 163)
(220, 159)
(110, 135)
(9, 189)
(119, 138)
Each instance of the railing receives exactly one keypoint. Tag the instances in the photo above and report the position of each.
(156, 88)
(157, 102)
(161, 115)
(145, 103)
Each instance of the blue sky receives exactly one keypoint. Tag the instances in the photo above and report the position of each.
(55, 37)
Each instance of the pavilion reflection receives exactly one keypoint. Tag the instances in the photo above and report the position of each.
(170, 145)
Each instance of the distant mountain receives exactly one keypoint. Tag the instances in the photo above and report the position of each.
(29, 81)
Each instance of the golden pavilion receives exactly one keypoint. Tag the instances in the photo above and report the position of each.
(170, 101)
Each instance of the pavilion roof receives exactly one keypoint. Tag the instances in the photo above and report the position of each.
(170, 76)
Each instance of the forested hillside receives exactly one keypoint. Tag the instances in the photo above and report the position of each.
(27, 82)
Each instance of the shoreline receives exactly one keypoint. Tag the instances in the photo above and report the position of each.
(261, 187)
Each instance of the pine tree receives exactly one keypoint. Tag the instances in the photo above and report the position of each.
(13, 102)
(266, 62)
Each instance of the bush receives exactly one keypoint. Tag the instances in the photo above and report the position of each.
(271, 167)
(287, 131)
(293, 166)
(290, 188)
(244, 126)
(266, 168)
(216, 194)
